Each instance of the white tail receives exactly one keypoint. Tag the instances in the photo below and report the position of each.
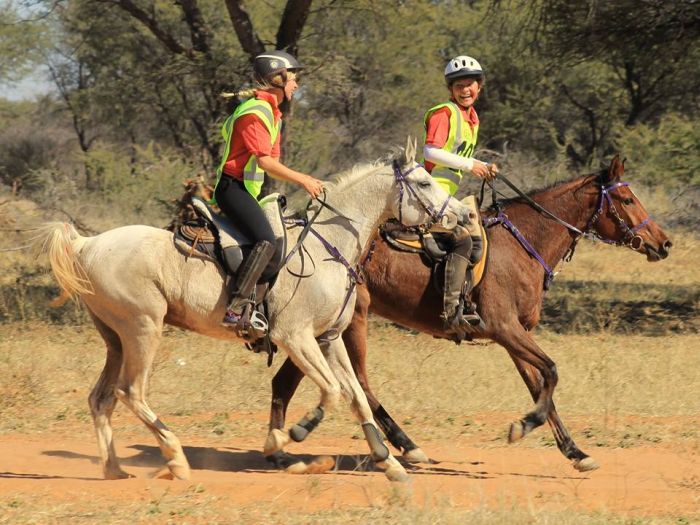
(61, 243)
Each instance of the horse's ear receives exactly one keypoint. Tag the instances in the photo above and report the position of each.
(411, 145)
(616, 169)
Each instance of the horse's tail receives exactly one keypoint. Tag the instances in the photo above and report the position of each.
(62, 244)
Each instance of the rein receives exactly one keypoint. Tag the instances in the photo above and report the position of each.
(354, 275)
(631, 239)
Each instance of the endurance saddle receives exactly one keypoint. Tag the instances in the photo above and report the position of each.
(432, 245)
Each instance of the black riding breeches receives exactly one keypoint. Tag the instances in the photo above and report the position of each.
(243, 210)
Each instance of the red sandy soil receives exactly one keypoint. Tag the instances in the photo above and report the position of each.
(641, 481)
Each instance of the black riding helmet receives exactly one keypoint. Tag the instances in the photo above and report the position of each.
(268, 65)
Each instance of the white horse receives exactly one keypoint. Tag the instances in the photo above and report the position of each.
(133, 279)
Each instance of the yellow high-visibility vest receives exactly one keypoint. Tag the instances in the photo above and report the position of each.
(253, 175)
(461, 141)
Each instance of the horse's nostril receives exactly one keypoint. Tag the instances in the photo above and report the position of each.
(667, 245)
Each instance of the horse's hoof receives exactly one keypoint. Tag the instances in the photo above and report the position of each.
(586, 464)
(276, 440)
(118, 474)
(319, 465)
(517, 431)
(416, 456)
(393, 470)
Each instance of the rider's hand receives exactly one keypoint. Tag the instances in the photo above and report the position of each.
(480, 169)
(313, 186)
(493, 171)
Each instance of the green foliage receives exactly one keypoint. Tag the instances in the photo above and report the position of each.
(666, 154)
(21, 39)
(568, 83)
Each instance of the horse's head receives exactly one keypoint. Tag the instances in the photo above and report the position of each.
(621, 218)
(419, 200)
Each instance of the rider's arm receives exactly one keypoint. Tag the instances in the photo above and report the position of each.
(438, 126)
(277, 170)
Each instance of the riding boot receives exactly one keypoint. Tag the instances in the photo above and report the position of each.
(457, 322)
(246, 278)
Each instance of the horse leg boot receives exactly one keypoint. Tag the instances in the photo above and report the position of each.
(246, 278)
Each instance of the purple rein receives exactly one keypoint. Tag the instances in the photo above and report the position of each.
(630, 239)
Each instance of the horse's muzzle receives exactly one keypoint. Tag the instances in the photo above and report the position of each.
(658, 254)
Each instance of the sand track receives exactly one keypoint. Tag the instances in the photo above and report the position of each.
(641, 481)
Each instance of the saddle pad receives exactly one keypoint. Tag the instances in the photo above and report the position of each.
(477, 271)
(480, 267)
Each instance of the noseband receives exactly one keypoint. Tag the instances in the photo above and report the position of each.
(631, 239)
(403, 183)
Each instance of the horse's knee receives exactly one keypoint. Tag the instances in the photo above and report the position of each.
(553, 378)
(331, 397)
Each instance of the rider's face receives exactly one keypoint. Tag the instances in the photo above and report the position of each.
(465, 91)
(291, 86)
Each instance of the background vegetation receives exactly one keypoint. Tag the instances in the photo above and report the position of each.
(137, 88)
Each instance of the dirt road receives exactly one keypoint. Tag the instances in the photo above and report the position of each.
(637, 481)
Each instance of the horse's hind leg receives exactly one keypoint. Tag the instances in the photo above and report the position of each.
(340, 364)
(522, 347)
(102, 401)
(284, 384)
(140, 340)
(533, 380)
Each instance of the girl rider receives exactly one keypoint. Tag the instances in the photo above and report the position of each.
(451, 130)
(252, 135)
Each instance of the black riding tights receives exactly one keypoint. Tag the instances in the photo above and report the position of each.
(243, 210)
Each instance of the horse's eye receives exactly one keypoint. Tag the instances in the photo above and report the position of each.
(424, 184)
(627, 201)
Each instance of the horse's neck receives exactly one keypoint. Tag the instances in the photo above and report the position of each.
(365, 204)
(573, 202)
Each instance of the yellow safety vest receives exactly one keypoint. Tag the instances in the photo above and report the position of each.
(253, 175)
(461, 141)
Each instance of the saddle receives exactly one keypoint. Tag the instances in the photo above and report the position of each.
(433, 246)
(212, 235)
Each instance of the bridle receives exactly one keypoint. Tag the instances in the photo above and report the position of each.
(405, 186)
(630, 239)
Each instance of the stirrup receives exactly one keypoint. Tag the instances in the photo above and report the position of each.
(249, 325)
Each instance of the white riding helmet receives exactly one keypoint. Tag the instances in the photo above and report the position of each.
(463, 66)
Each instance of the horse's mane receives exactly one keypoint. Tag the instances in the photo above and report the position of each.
(298, 199)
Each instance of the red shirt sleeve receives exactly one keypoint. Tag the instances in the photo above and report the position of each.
(254, 135)
(276, 148)
(438, 128)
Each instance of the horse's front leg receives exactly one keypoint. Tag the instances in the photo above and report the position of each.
(522, 347)
(339, 361)
(306, 357)
(533, 380)
(355, 339)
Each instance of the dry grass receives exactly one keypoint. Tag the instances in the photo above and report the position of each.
(196, 506)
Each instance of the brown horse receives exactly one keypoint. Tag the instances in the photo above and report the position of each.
(509, 296)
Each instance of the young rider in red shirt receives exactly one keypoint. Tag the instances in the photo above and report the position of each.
(252, 135)
(450, 140)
